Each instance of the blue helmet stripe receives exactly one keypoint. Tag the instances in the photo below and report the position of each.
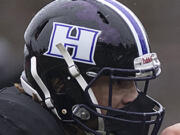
(139, 30)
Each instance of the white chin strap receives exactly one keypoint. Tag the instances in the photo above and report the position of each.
(73, 69)
(30, 91)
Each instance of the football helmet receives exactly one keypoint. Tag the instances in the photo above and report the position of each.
(70, 44)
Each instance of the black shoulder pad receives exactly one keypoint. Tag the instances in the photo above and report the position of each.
(20, 115)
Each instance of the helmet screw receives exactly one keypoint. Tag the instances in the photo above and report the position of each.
(64, 111)
(69, 78)
(84, 115)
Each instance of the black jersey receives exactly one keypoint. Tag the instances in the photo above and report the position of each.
(20, 115)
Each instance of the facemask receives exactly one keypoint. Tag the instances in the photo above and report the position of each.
(140, 104)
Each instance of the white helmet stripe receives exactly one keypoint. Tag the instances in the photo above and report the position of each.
(133, 22)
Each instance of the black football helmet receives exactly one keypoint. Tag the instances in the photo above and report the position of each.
(78, 41)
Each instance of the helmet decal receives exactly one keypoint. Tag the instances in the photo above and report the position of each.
(83, 43)
(133, 23)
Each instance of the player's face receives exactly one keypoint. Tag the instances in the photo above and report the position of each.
(123, 92)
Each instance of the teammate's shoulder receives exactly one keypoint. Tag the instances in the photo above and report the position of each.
(12, 96)
(19, 114)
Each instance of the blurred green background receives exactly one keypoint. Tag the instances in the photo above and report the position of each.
(161, 19)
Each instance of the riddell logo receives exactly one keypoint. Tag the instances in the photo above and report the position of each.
(147, 60)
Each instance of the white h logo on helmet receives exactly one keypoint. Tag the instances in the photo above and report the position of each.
(81, 40)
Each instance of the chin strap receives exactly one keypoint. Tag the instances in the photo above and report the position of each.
(74, 71)
(30, 91)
